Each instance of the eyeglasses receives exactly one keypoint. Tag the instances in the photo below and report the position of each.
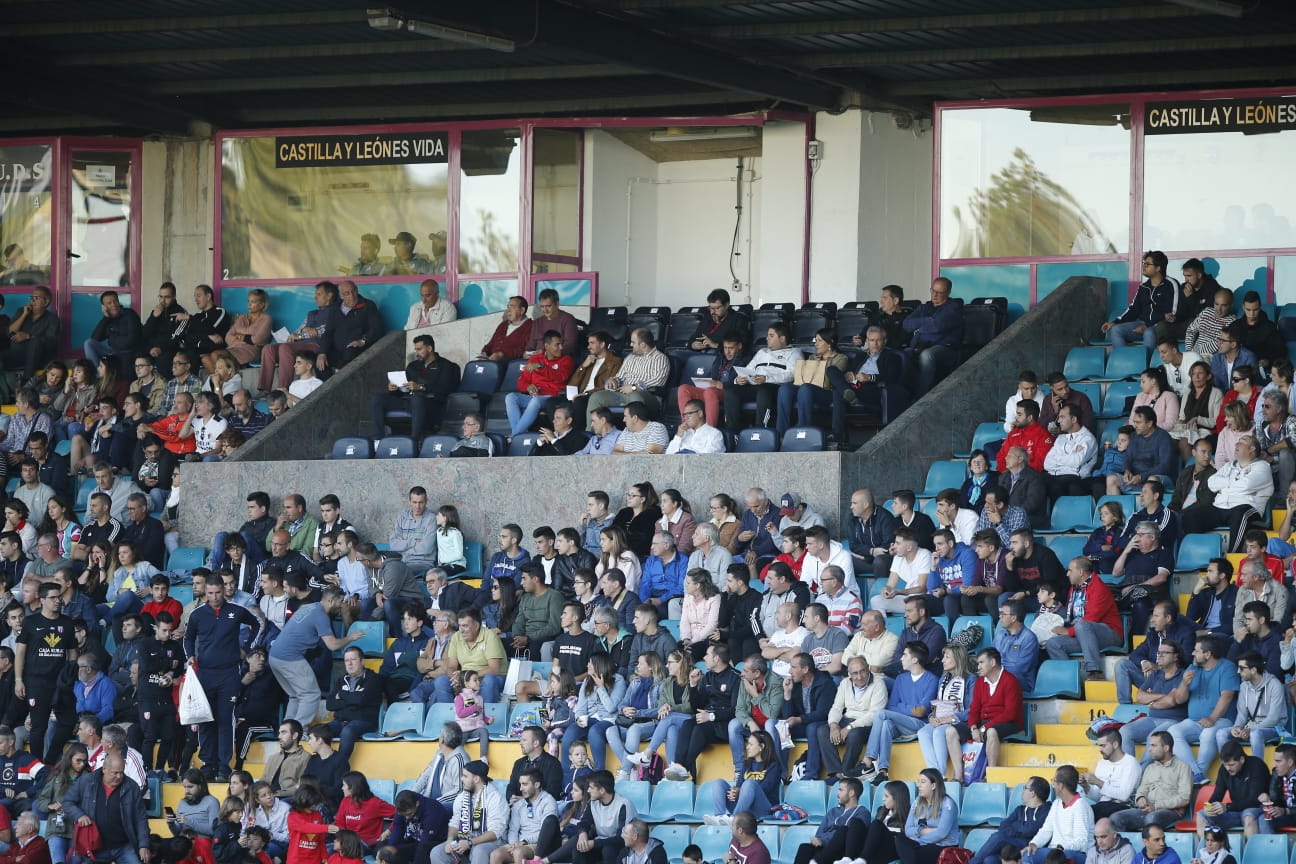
(691, 413)
(1237, 379)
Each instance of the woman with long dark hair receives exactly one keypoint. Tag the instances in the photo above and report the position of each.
(361, 811)
(888, 823)
(932, 823)
(762, 773)
(639, 517)
(49, 803)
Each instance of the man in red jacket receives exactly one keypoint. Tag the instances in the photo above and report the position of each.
(509, 340)
(543, 377)
(1093, 621)
(1028, 434)
(997, 709)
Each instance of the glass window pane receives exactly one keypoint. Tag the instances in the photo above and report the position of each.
(1219, 190)
(99, 185)
(25, 207)
(1021, 182)
(280, 223)
(489, 209)
(555, 207)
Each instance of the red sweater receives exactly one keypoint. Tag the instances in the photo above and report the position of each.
(511, 346)
(365, 819)
(307, 834)
(170, 604)
(1100, 606)
(551, 378)
(1035, 439)
(1005, 705)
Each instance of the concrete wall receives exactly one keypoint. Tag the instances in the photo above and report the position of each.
(178, 216)
(616, 177)
(492, 492)
(942, 422)
(781, 229)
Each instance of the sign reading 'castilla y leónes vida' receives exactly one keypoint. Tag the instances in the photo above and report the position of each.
(403, 148)
(1255, 115)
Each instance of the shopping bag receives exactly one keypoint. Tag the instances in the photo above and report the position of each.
(974, 762)
(519, 670)
(194, 707)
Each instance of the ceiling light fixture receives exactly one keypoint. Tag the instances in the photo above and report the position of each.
(1215, 7)
(392, 21)
(724, 133)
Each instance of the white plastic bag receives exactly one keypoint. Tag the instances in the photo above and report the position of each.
(194, 707)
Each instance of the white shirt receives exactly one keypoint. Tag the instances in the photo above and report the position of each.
(207, 431)
(1010, 410)
(911, 574)
(1177, 376)
(811, 566)
(1236, 484)
(1072, 453)
(965, 522)
(704, 439)
(589, 385)
(303, 388)
(421, 316)
(1119, 779)
(784, 639)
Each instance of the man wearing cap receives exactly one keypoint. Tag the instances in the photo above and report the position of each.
(368, 264)
(430, 309)
(796, 512)
(405, 262)
(479, 820)
(438, 241)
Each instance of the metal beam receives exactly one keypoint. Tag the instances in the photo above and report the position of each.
(946, 88)
(1037, 18)
(351, 113)
(393, 79)
(266, 52)
(923, 56)
(183, 23)
(36, 123)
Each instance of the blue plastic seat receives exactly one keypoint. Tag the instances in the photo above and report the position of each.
(984, 434)
(437, 445)
(1265, 849)
(519, 711)
(1057, 678)
(352, 447)
(1128, 503)
(1183, 842)
(1084, 363)
(401, 717)
(473, 558)
(1067, 546)
(88, 485)
(1127, 362)
(673, 839)
(523, 445)
(977, 837)
(637, 792)
(793, 838)
(1091, 389)
(187, 558)
(943, 475)
(702, 805)
(670, 798)
(1196, 550)
(757, 440)
(803, 439)
(1070, 513)
(374, 641)
(480, 376)
(394, 447)
(809, 795)
(983, 804)
(1113, 404)
(384, 789)
(713, 839)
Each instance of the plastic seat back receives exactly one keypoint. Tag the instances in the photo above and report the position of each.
(353, 447)
(395, 447)
(480, 376)
(437, 445)
(803, 439)
(756, 440)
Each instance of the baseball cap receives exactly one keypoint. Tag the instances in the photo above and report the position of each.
(403, 237)
(788, 504)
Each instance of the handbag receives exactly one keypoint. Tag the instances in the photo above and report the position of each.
(518, 670)
(194, 707)
(86, 841)
(954, 855)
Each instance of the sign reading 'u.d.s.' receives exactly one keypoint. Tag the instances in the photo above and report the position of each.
(1257, 115)
(315, 151)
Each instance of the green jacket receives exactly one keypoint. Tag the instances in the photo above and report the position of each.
(770, 701)
(539, 618)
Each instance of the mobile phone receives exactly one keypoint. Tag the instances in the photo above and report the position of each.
(170, 812)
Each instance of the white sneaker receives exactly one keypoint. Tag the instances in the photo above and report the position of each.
(638, 758)
(710, 819)
(724, 819)
(623, 773)
(676, 771)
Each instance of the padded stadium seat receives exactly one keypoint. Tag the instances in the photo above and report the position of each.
(637, 792)
(670, 798)
(851, 322)
(512, 371)
(1127, 362)
(1067, 546)
(654, 324)
(480, 376)
(696, 366)
(713, 839)
(457, 407)
(1118, 393)
(673, 839)
(1070, 513)
(523, 445)
(757, 440)
(984, 434)
(809, 320)
(683, 326)
(343, 448)
(439, 714)
(983, 804)
(395, 447)
(187, 558)
(437, 445)
(809, 795)
(401, 717)
(1196, 550)
(943, 475)
(1082, 363)
(794, 837)
(1128, 503)
(803, 439)
(1057, 678)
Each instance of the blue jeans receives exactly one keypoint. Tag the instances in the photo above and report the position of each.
(595, 733)
(1090, 638)
(1258, 736)
(751, 799)
(668, 727)
(121, 855)
(1128, 674)
(523, 410)
(491, 688)
(96, 350)
(1187, 732)
(1123, 334)
(625, 741)
(58, 847)
(738, 738)
(888, 726)
(934, 747)
(349, 733)
(803, 398)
